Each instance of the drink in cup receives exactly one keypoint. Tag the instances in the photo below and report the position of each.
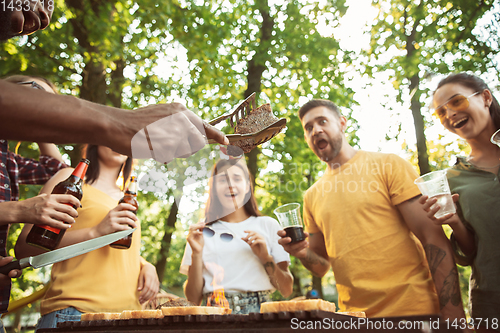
(435, 185)
(289, 218)
(495, 138)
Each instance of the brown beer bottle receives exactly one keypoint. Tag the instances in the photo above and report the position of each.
(130, 197)
(47, 237)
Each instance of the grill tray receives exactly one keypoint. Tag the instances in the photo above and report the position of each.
(251, 323)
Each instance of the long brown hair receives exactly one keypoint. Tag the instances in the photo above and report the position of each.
(90, 153)
(476, 84)
(213, 208)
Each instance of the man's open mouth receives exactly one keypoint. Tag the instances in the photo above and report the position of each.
(322, 143)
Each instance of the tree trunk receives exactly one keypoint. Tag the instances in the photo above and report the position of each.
(94, 82)
(16, 323)
(75, 155)
(418, 120)
(93, 86)
(116, 84)
(161, 263)
(252, 158)
(256, 67)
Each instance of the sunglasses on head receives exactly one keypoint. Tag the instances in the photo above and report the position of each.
(33, 84)
(456, 103)
(225, 236)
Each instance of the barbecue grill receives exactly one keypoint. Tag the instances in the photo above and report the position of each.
(258, 322)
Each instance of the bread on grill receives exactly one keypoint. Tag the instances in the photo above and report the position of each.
(87, 316)
(176, 302)
(100, 316)
(141, 314)
(174, 307)
(194, 310)
(255, 121)
(302, 305)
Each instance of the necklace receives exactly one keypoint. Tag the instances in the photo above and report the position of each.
(468, 159)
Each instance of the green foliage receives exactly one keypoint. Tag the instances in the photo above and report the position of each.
(221, 40)
(152, 214)
(414, 41)
(442, 155)
(31, 280)
(424, 38)
(224, 41)
(206, 54)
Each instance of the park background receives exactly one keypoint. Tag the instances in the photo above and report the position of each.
(378, 60)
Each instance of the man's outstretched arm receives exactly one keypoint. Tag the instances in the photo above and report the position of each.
(33, 115)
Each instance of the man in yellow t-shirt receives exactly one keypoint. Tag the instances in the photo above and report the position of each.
(362, 217)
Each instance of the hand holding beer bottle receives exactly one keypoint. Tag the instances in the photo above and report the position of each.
(47, 237)
(130, 197)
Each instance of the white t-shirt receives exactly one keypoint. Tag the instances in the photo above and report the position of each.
(236, 267)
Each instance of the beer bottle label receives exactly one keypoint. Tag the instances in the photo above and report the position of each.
(49, 228)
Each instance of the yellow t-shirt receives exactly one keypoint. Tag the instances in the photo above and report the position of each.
(379, 265)
(103, 280)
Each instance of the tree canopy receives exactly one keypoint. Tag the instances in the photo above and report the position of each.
(210, 55)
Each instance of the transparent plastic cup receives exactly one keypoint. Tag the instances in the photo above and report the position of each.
(435, 185)
(291, 221)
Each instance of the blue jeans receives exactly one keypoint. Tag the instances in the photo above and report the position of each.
(50, 320)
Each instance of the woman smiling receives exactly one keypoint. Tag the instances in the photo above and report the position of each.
(235, 247)
(466, 107)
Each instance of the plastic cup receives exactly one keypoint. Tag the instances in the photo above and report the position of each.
(289, 218)
(495, 138)
(435, 185)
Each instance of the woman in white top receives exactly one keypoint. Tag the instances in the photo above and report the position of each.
(235, 248)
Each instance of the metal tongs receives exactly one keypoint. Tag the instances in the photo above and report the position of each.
(243, 110)
(240, 112)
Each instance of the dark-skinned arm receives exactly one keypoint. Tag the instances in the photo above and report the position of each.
(34, 115)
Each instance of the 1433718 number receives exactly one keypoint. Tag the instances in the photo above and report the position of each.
(25, 5)
(473, 323)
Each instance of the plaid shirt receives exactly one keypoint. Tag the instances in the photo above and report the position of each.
(14, 170)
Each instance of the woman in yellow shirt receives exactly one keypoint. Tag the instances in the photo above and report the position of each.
(106, 279)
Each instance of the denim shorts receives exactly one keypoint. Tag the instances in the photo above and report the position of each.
(245, 303)
(51, 319)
